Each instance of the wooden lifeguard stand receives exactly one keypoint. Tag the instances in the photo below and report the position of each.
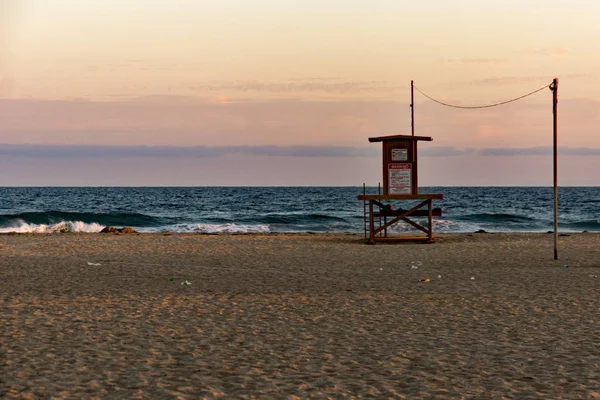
(400, 183)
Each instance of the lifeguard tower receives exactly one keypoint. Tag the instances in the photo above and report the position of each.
(400, 183)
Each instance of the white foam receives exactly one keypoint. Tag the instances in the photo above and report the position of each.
(439, 225)
(63, 226)
(230, 228)
(21, 226)
(218, 228)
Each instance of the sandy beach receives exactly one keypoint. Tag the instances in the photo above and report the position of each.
(298, 316)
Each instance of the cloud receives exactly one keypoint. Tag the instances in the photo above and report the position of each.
(321, 85)
(83, 151)
(545, 51)
(86, 151)
(580, 151)
(481, 60)
(315, 78)
(508, 151)
(441, 151)
(511, 80)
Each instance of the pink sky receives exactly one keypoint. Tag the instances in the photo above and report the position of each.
(272, 73)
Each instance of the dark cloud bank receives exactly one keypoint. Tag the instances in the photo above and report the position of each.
(89, 151)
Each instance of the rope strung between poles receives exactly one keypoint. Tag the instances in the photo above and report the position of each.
(487, 105)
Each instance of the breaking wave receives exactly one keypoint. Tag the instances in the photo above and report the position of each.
(21, 226)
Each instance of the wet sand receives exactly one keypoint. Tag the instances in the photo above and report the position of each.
(298, 316)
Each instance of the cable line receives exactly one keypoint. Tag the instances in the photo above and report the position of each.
(487, 105)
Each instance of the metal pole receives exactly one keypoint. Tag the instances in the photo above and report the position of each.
(365, 209)
(412, 107)
(554, 88)
(413, 149)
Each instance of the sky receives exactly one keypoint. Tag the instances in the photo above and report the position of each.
(277, 92)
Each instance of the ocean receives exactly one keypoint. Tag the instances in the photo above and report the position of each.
(283, 209)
